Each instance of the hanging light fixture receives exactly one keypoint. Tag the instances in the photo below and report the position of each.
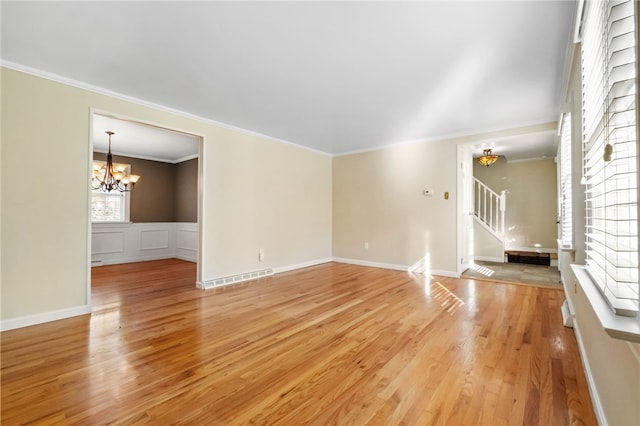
(487, 158)
(110, 177)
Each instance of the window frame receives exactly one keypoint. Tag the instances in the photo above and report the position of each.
(611, 239)
(566, 188)
(126, 196)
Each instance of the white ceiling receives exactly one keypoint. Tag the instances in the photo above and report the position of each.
(143, 141)
(336, 77)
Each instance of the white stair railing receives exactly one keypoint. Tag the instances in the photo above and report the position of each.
(489, 207)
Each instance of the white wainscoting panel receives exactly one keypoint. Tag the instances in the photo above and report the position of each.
(113, 243)
(107, 242)
(152, 239)
(187, 241)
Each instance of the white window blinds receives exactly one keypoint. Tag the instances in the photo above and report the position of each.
(566, 215)
(609, 135)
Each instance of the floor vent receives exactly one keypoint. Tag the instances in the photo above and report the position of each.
(233, 279)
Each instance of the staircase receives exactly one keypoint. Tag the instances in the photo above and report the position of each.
(489, 209)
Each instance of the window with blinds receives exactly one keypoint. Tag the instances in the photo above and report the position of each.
(566, 215)
(609, 151)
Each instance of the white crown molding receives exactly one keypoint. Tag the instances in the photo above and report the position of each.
(187, 158)
(145, 157)
(483, 135)
(102, 91)
(522, 160)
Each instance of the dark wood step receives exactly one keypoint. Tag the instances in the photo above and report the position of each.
(529, 257)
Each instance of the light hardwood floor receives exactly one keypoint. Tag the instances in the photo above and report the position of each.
(330, 344)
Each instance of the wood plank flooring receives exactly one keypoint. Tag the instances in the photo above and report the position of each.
(514, 273)
(330, 344)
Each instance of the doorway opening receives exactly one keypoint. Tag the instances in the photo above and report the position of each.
(507, 209)
(161, 217)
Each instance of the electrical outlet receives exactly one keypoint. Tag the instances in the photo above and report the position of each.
(261, 255)
(366, 246)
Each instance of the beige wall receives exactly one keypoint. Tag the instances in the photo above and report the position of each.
(532, 210)
(258, 193)
(377, 199)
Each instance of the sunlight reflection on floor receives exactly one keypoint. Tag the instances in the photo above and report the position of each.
(448, 300)
(483, 270)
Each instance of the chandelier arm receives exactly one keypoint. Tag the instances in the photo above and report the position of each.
(109, 181)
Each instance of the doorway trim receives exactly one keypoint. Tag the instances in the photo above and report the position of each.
(200, 190)
(464, 256)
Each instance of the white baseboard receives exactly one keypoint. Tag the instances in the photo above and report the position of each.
(593, 390)
(252, 275)
(185, 258)
(28, 320)
(489, 259)
(372, 264)
(281, 269)
(234, 279)
(392, 266)
(248, 276)
(137, 259)
(443, 273)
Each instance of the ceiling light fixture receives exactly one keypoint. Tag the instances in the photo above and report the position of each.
(487, 159)
(109, 177)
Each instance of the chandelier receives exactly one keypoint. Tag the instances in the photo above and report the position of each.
(487, 159)
(112, 177)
